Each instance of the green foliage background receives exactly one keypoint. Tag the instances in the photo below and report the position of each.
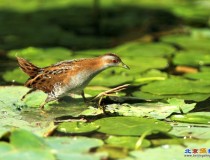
(165, 108)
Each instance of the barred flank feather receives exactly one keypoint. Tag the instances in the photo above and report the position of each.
(28, 67)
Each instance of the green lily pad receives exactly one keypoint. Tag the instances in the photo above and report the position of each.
(16, 75)
(91, 53)
(190, 130)
(130, 126)
(197, 97)
(110, 78)
(40, 57)
(170, 151)
(77, 127)
(75, 148)
(198, 76)
(151, 75)
(126, 141)
(189, 42)
(73, 144)
(140, 64)
(26, 140)
(24, 144)
(25, 114)
(37, 56)
(135, 49)
(158, 110)
(177, 86)
(192, 58)
(197, 117)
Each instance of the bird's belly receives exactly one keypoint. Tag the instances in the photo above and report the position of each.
(78, 82)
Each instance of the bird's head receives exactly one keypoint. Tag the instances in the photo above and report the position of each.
(112, 60)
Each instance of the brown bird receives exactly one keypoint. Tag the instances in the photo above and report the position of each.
(70, 76)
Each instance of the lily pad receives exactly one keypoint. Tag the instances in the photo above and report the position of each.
(24, 144)
(16, 75)
(75, 148)
(111, 78)
(158, 110)
(25, 114)
(190, 130)
(198, 76)
(177, 86)
(197, 117)
(192, 58)
(73, 144)
(197, 97)
(130, 126)
(37, 56)
(40, 57)
(151, 75)
(77, 127)
(126, 142)
(170, 151)
(188, 42)
(135, 49)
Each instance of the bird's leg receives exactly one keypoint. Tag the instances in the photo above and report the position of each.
(109, 93)
(48, 99)
(83, 96)
(30, 91)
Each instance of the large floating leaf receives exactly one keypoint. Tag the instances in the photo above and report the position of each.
(140, 64)
(75, 148)
(111, 78)
(73, 145)
(197, 117)
(40, 56)
(193, 96)
(192, 58)
(144, 49)
(131, 126)
(177, 86)
(168, 151)
(126, 142)
(189, 42)
(151, 75)
(191, 130)
(77, 127)
(26, 114)
(198, 76)
(156, 110)
(24, 144)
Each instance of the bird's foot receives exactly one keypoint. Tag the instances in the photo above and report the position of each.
(110, 92)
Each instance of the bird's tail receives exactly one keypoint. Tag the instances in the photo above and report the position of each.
(27, 67)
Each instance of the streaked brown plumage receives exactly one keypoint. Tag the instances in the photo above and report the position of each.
(70, 76)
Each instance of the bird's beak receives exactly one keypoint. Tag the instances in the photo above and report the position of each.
(124, 65)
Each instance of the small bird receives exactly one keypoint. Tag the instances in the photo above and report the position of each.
(69, 76)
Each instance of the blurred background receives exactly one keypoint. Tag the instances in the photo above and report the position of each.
(47, 31)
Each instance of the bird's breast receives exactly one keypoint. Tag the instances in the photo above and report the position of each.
(78, 82)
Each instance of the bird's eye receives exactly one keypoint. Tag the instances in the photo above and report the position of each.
(115, 61)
